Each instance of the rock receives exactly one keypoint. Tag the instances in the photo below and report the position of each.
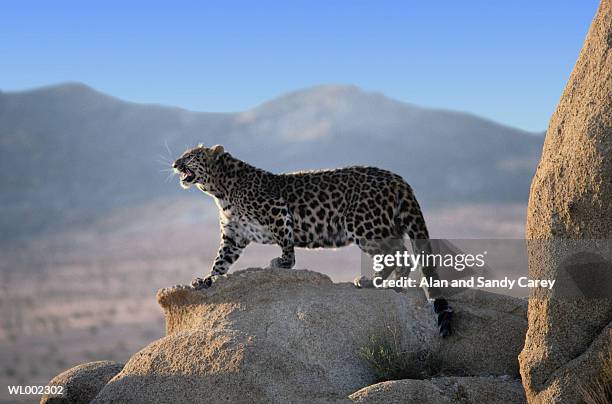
(278, 335)
(489, 334)
(571, 191)
(571, 199)
(443, 390)
(83, 382)
(572, 378)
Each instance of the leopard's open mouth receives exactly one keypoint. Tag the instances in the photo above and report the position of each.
(187, 176)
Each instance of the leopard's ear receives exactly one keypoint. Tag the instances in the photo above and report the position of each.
(217, 150)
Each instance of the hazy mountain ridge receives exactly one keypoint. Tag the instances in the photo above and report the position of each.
(68, 151)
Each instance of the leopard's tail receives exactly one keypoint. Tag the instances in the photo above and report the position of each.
(411, 223)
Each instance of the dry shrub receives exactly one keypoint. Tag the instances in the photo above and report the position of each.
(389, 361)
(600, 390)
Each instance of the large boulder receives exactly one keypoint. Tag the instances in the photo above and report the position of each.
(82, 383)
(443, 390)
(571, 199)
(274, 335)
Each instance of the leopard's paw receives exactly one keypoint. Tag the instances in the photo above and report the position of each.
(202, 283)
(363, 282)
(280, 262)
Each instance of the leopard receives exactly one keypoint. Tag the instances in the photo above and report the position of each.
(370, 207)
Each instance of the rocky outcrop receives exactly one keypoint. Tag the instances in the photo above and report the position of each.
(82, 383)
(274, 335)
(443, 390)
(571, 198)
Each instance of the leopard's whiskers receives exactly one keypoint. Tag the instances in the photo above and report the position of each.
(167, 148)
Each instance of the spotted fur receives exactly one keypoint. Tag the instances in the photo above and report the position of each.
(368, 206)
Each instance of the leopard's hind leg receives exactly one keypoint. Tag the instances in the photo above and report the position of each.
(375, 247)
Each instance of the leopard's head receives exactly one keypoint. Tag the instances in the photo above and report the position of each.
(195, 166)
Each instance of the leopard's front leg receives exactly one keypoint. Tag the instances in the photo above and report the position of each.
(281, 226)
(230, 249)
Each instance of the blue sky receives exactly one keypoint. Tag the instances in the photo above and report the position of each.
(504, 60)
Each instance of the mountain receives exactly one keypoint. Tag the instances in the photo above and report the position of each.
(69, 153)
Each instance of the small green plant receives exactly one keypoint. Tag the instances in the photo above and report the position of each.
(384, 354)
(600, 390)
